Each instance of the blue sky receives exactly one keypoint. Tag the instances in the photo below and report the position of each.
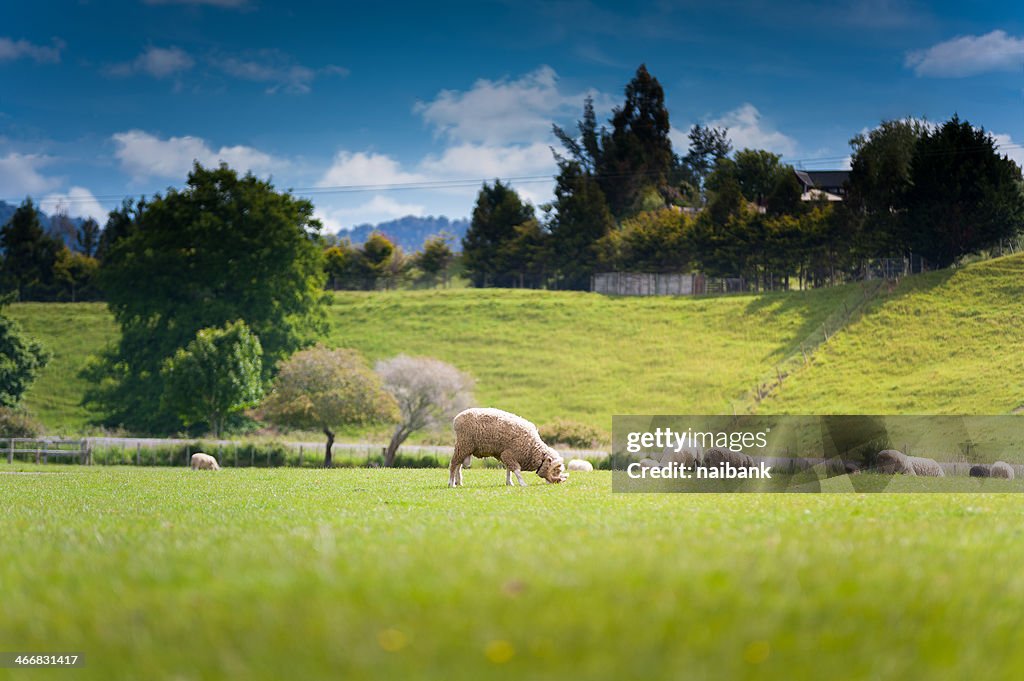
(101, 100)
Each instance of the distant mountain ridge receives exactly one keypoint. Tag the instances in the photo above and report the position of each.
(410, 231)
(66, 232)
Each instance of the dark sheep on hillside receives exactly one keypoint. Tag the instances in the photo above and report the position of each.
(980, 472)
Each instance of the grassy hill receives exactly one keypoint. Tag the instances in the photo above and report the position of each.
(941, 343)
(944, 342)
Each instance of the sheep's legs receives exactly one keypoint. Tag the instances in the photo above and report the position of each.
(519, 475)
(455, 472)
(508, 477)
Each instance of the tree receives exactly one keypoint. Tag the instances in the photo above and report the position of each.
(121, 222)
(963, 196)
(879, 180)
(708, 146)
(29, 254)
(224, 248)
(435, 259)
(497, 212)
(215, 375)
(637, 152)
(580, 220)
(586, 150)
(653, 241)
(343, 265)
(785, 196)
(21, 359)
(75, 276)
(88, 237)
(326, 389)
(428, 392)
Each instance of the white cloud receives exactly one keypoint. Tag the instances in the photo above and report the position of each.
(380, 208)
(968, 55)
(278, 70)
(158, 62)
(144, 155)
(488, 161)
(43, 54)
(77, 202)
(747, 129)
(363, 169)
(503, 111)
(1007, 147)
(20, 176)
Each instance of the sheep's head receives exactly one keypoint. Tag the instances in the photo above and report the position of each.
(552, 468)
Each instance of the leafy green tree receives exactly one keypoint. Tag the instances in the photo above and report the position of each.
(121, 222)
(217, 374)
(879, 181)
(325, 389)
(75, 276)
(88, 237)
(785, 195)
(344, 267)
(497, 212)
(224, 248)
(581, 218)
(435, 259)
(963, 197)
(21, 359)
(652, 241)
(29, 255)
(636, 153)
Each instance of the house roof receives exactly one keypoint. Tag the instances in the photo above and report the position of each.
(823, 178)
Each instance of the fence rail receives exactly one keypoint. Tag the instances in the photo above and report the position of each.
(41, 449)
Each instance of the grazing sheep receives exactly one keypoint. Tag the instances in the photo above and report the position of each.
(1001, 469)
(689, 456)
(926, 467)
(649, 463)
(851, 468)
(980, 472)
(509, 438)
(891, 462)
(204, 462)
(579, 465)
(719, 455)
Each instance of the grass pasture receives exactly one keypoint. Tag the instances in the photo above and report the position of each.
(358, 573)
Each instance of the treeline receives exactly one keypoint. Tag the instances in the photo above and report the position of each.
(625, 201)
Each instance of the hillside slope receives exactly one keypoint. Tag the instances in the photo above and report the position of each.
(944, 342)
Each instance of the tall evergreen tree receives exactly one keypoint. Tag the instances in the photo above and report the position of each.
(636, 153)
(29, 255)
(963, 197)
(497, 213)
(580, 220)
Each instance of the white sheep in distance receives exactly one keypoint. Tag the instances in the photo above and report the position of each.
(579, 465)
(719, 455)
(509, 438)
(926, 467)
(1001, 469)
(891, 462)
(204, 462)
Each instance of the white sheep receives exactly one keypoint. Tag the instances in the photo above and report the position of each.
(719, 455)
(509, 438)
(926, 467)
(204, 462)
(891, 462)
(1001, 469)
(579, 465)
(688, 456)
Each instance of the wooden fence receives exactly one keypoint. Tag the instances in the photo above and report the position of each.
(41, 449)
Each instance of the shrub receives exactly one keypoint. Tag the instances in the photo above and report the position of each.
(15, 422)
(569, 434)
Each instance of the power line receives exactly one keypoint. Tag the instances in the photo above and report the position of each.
(464, 183)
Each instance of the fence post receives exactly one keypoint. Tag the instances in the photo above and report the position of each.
(268, 457)
(138, 453)
(235, 450)
(10, 451)
(188, 454)
(300, 456)
(37, 451)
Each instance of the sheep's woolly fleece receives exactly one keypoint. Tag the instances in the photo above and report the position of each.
(509, 438)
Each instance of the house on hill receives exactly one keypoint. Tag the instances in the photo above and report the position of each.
(829, 185)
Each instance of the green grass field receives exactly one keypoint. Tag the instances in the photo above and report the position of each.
(307, 574)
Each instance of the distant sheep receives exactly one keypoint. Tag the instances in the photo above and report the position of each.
(204, 462)
(509, 438)
(689, 456)
(926, 467)
(649, 463)
(719, 455)
(579, 465)
(1001, 469)
(980, 472)
(891, 462)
